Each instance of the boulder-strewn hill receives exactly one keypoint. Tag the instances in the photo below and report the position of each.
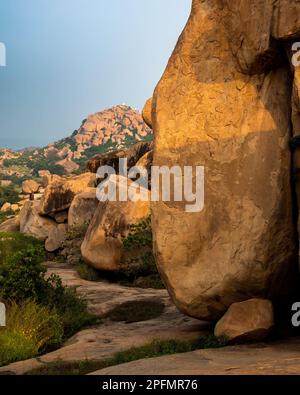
(105, 131)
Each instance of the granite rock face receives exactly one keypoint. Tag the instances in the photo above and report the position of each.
(59, 195)
(147, 113)
(33, 224)
(224, 106)
(102, 245)
(251, 320)
(83, 208)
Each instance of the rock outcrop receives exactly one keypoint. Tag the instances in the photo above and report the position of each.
(147, 113)
(83, 208)
(10, 225)
(30, 186)
(251, 320)
(56, 237)
(59, 195)
(114, 128)
(222, 105)
(133, 155)
(102, 246)
(33, 224)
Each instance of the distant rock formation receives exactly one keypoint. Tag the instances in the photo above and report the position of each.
(116, 128)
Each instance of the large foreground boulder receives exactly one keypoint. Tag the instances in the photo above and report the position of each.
(206, 112)
(83, 208)
(102, 246)
(251, 320)
(33, 224)
(59, 195)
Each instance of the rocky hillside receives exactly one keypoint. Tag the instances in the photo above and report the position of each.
(105, 131)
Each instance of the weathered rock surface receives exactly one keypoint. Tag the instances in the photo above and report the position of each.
(147, 113)
(280, 358)
(48, 179)
(286, 21)
(56, 237)
(83, 208)
(207, 113)
(33, 224)
(251, 320)
(59, 195)
(30, 186)
(102, 245)
(61, 217)
(132, 154)
(11, 225)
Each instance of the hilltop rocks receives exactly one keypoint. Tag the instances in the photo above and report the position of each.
(30, 186)
(33, 224)
(102, 245)
(132, 154)
(59, 195)
(251, 320)
(207, 113)
(83, 208)
(147, 113)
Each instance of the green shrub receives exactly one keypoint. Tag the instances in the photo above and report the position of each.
(15, 347)
(30, 329)
(22, 277)
(37, 323)
(138, 263)
(9, 194)
(71, 308)
(5, 215)
(21, 272)
(14, 243)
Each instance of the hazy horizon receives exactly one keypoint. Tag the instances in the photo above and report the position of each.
(68, 59)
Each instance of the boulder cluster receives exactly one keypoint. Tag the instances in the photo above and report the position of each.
(67, 204)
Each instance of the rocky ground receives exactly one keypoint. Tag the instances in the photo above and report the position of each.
(281, 358)
(103, 341)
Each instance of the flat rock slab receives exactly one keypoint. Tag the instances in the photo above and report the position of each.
(280, 358)
(103, 341)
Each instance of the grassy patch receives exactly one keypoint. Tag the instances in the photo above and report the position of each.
(30, 329)
(40, 310)
(136, 311)
(87, 272)
(154, 349)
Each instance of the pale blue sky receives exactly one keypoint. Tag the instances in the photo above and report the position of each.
(69, 58)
